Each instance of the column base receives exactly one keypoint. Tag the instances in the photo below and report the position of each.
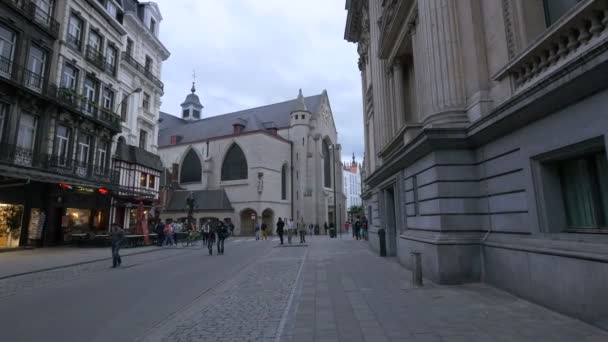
(447, 119)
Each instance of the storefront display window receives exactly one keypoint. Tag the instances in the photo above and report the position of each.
(11, 217)
(79, 220)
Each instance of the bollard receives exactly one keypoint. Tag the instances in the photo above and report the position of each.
(382, 238)
(417, 270)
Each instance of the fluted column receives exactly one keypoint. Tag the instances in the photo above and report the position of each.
(398, 81)
(440, 38)
(379, 77)
(391, 113)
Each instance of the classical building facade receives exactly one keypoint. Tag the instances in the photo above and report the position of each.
(351, 181)
(485, 134)
(140, 90)
(259, 164)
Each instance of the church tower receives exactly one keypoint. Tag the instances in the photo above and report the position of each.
(192, 107)
(300, 130)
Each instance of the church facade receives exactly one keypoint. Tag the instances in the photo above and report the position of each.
(254, 165)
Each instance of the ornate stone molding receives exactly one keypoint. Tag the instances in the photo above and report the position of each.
(507, 12)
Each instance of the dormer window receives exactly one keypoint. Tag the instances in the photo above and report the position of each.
(196, 114)
(152, 25)
(185, 113)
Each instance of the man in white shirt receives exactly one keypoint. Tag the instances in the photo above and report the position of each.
(290, 230)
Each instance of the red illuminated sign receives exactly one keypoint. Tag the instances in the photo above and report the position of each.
(65, 186)
(103, 191)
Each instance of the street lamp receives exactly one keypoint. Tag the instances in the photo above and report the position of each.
(137, 90)
(333, 149)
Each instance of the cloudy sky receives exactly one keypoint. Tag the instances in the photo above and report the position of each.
(250, 53)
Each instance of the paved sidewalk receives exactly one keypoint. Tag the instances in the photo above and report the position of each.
(347, 293)
(34, 260)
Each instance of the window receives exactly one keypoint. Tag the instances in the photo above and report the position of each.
(26, 137)
(94, 41)
(111, 59)
(555, 9)
(148, 64)
(7, 49)
(191, 169)
(146, 101)
(36, 63)
(129, 50)
(196, 114)
(143, 180)
(62, 143)
(151, 181)
(152, 25)
(3, 118)
(42, 12)
(284, 182)
(69, 78)
(235, 165)
(124, 106)
(111, 8)
(108, 98)
(584, 183)
(326, 165)
(102, 152)
(75, 25)
(84, 146)
(185, 113)
(143, 136)
(90, 94)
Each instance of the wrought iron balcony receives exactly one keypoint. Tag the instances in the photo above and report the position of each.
(49, 163)
(75, 42)
(71, 99)
(23, 77)
(96, 57)
(143, 70)
(37, 15)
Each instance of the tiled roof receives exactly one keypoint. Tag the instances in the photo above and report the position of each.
(277, 115)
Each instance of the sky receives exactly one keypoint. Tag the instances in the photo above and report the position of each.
(250, 53)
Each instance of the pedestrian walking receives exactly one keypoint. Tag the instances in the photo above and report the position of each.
(222, 233)
(117, 235)
(205, 231)
(210, 237)
(364, 227)
(160, 233)
(280, 231)
(168, 231)
(310, 228)
(290, 230)
(346, 226)
(264, 232)
(178, 228)
(257, 231)
(231, 228)
(302, 230)
(357, 229)
(326, 227)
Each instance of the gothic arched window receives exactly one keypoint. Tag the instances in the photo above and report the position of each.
(284, 182)
(326, 165)
(191, 170)
(234, 166)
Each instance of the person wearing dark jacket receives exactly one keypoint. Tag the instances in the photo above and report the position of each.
(210, 237)
(160, 235)
(117, 235)
(280, 231)
(222, 232)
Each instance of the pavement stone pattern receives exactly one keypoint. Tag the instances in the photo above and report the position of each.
(248, 307)
(14, 285)
(350, 294)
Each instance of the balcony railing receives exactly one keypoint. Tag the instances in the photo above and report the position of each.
(20, 76)
(49, 163)
(77, 102)
(142, 69)
(37, 15)
(75, 42)
(582, 30)
(96, 57)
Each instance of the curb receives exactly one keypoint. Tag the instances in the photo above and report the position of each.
(71, 265)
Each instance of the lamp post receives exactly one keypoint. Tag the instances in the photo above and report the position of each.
(333, 151)
(137, 90)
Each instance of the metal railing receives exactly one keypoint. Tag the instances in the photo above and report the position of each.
(71, 98)
(74, 41)
(53, 163)
(37, 15)
(96, 57)
(20, 76)
(142, 69)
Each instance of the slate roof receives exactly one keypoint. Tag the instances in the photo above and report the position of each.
(277, 115)
(204, 200)
(136, 155)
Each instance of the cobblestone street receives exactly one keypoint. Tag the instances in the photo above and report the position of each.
(328, 290)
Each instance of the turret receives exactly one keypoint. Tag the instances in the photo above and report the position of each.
(192, 107)
(300, 115)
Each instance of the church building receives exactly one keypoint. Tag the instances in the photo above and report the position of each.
(254, 165)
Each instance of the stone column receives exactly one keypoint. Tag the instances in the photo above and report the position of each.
(444, 88)
(379, 77)
(391, 113)
(398, 79)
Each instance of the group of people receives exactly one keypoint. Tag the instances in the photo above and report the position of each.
(292, 228)
(359, 228)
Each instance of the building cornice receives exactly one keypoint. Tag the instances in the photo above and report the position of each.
(144, 32)
(227, 136)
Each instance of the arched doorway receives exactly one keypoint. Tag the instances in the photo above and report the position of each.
(248, 218)
(268, 218)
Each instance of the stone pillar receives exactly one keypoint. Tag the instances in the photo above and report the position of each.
(379, 77)
(444, 86)
(398, 79)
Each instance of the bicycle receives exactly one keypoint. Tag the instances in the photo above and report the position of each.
(191, 239)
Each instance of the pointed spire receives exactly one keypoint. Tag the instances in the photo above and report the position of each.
(193, 89)
(354, 158)
(300, 104)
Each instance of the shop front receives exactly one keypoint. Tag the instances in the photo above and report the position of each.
(11, 219)
(22, 212)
